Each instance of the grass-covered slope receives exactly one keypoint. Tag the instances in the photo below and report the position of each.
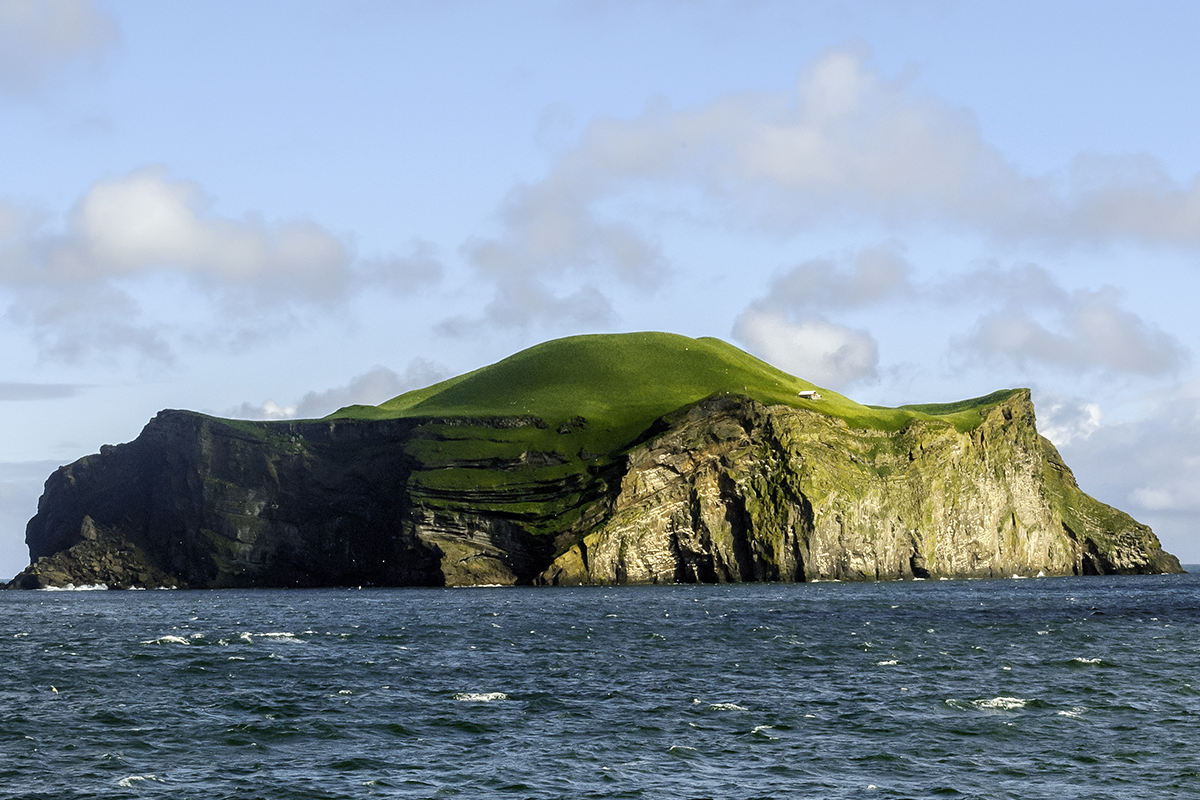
(622, 383)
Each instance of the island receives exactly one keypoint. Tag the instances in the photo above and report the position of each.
(636, 458)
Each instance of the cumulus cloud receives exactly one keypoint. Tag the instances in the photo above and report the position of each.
(371, 388)
(36, 36)
(75, 286)
(1063, 420)
(846, 144)
(790, 328)
(1041, 323)
(814, 349)
(1149, 467)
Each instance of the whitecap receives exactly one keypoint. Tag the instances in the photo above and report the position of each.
(1080, 660)
(282, 636)
(726, 707)
(1002, 703)
(890, 663)
(761, 730)
(480, 697)
(168, 639)
(70, 587)
(128, 782)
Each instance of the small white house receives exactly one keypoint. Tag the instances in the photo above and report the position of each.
(809, 394)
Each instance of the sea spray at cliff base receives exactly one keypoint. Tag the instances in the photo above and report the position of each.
(1075, 687)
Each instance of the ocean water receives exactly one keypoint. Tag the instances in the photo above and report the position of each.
(1038, 688)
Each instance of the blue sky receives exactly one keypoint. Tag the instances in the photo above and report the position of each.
(272, 209)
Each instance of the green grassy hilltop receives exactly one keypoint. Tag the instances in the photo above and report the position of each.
(626, 458)
(621, 383)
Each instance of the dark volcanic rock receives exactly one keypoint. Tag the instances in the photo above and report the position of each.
(727, 490)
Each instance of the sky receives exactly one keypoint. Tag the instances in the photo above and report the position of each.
(270, 210)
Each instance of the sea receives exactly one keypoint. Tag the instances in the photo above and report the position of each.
(1035, 688)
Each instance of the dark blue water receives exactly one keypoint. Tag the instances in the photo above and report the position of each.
(1054, 688)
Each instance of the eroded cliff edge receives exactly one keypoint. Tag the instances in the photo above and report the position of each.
(727, 489)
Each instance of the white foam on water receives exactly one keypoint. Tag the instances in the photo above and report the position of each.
(70, 587)
(726, 707)
(1080, 660)
(1076, 712)
(891, 663)
(132, 780)
(1002, 703)
(761, 730)
(282, 636)
(168, 639)
(480, 697)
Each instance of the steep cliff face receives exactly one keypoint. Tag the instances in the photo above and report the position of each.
(727, 489)
(736, 491)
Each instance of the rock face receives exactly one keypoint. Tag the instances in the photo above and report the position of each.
(725, 490)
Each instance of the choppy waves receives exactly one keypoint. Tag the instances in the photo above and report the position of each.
(834, 691)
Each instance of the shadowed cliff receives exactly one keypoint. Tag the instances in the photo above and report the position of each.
(634, 458)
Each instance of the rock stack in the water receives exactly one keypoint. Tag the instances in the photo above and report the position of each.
(640, 458)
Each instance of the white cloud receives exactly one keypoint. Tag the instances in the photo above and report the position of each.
(1041, 323)
(145, 222)
(814, 349)
(75, 288)
(1149, 467)
(371, 388)
(847, 144)
(872, 276)
(789, 326)
(1066, 419)
(37, 36)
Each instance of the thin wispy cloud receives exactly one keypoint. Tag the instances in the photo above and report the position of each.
(370, 388)
(21, 392)
(40, 36)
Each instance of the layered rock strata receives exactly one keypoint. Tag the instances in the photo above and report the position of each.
(725, 490)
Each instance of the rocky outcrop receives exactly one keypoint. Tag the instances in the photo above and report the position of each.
(726, 490)
(734, 491)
